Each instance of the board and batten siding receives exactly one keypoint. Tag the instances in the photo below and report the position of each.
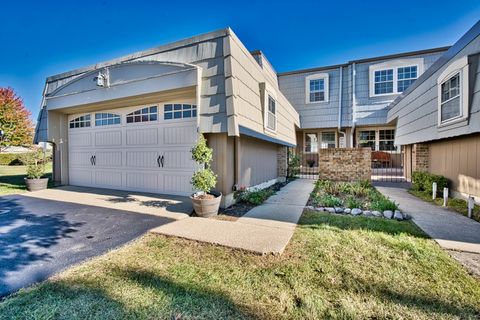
(245, 104)
(458, 160)
(258, 161)
(417, 112)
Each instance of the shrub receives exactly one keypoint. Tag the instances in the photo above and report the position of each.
(203, 179)
(35, 165)
(422, 181)
(352, 202)
(382, 203)
(8, 159)
(293, 165)
(256, 197)
(327, 200)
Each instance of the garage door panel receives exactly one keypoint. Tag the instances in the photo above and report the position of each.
(108, 159)
(178, 159)
(142, 181)
(80, 177)
(81, 158)
(108, 138)
(180, 135)
(112, 179)
(142, 159)
(80, 139)
(142, 137)
(177, 183)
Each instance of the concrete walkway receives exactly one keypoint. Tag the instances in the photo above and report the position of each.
(451, 230)
(264, 229)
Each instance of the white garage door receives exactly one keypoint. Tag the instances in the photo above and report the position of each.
(138, 148)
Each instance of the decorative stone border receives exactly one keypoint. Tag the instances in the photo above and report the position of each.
(387, 214)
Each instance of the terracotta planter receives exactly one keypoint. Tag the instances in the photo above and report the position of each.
(36, 184)
(207, 207)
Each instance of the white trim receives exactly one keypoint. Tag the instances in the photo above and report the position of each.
(264, 185)
(318, 134)
(316, 76)
(395, 64)
(269, 92)
(460, 67)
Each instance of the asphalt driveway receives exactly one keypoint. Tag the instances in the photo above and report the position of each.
(40, 237)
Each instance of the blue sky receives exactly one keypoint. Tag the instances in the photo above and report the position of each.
(42, 38)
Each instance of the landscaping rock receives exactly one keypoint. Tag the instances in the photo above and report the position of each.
(367, 213)
(338, 210)
(331, 210)
(309, 208)
(347, 210)
(377, 213)
(398, 215)
(356, 211)
(319, 209)
(406, 216)
(388, 214)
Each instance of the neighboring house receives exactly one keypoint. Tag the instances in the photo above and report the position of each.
(346, 105)
(438, 117)
(130, 123)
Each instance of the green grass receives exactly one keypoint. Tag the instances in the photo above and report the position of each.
(458, 205)
(11, 178)
(334, 267)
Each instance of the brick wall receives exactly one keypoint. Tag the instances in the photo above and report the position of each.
(282, 161)
(345, 164)
(420, 155)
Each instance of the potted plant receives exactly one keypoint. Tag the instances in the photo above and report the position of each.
(35, 171)
(205, 201)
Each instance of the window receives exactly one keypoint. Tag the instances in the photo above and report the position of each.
(106, 119)
(406, 76)
(384, 81)
(367, 139)
(386, 140)
(271, 114)
(179, 111)
(80, 122)
(393, 77)
(316, 88)
(311, 142)
(328, 140)
(450, 98)
(143, 115)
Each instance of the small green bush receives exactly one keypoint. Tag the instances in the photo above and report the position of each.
(327, 200)
(35, 165)
(256, 197)
(293, 165)
(382, 203)
(352, 202)
(422, 181)
(203, 179)
(9, 159)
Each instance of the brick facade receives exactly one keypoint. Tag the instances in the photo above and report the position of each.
(282, 161)
(345, 164)
(420, 156)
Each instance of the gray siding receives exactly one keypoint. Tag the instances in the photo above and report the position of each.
(258, 161)
(417, 112)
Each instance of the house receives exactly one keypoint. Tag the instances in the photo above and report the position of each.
(346, 105)
(130, 123)
(438, 117)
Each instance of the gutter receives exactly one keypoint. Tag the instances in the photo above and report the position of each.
(340, 104)
(354, 103)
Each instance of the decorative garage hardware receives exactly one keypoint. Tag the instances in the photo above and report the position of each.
(160, 160)
(93, 160)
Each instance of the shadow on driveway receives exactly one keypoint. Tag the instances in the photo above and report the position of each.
(41, 237)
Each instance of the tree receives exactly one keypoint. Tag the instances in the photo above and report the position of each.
(14, 120)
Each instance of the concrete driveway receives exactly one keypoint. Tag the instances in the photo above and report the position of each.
(42, 233)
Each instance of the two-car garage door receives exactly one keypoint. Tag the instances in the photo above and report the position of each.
(150, 156)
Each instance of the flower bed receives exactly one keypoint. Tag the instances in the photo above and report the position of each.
(354, 198)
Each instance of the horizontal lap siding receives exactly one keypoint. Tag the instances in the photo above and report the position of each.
(417, 113)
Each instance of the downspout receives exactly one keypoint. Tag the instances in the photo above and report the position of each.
(340, 105)
(354, 104)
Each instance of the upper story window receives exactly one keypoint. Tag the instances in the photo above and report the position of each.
(271, 114)
(394, 77)
(143, 115)
(106, 119)
(81, 122)
(316, 88)
(453, 92)
(179, 111)
(406, 76)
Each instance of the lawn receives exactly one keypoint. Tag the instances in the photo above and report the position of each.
(334, 267)
(11, 178)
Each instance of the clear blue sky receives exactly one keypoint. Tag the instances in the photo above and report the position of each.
(42, 38)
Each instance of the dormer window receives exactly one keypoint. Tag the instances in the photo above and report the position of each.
(316, 88)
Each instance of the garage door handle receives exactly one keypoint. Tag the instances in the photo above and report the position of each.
(158, 161)
(94, 160)
(91, 160)
(161, 160)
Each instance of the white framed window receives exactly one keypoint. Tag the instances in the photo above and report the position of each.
(386, 140)
(316, 88)
(367, 139)
(81, 122)
(271, 114)
(106, 119)
(179, 111)
(393, 77)
(143, 115)
(453, 93)
(381, 139)
(328, 139)
(311, 142)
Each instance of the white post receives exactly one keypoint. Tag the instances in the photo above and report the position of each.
(471, 204)
(434, 191)
(445, 197)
